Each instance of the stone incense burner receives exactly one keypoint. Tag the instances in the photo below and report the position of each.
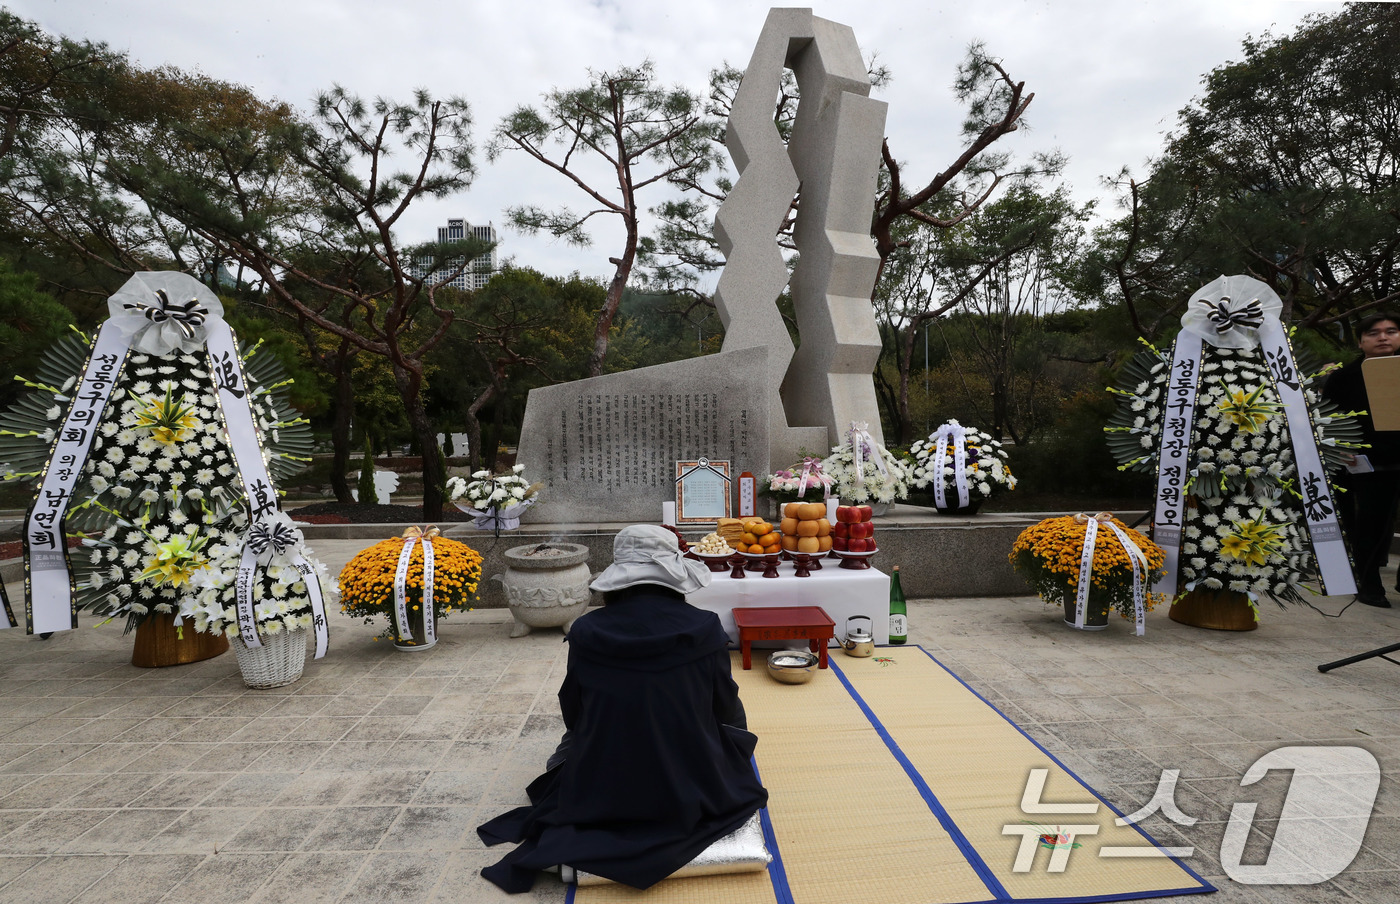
(546, 585)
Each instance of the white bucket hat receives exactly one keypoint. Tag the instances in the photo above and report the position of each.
(648, 554)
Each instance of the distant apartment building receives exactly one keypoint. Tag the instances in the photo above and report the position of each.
(479, 271)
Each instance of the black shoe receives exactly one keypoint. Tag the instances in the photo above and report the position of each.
(1373, 598)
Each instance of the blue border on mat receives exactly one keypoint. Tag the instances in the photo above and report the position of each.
(777, 873)
(1205, 886)
(974, 859)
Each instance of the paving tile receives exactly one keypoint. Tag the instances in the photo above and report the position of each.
(58, 879)
(277, 830)
(228, 878)
(202, 830)
(140, 879)
(50, 830)
(313, 789)
(452, 788)
(247, 788)
(124, 832)
(115, 790)
(430, 829)
(290, 756)
(352, 829)
(11, 867)
(181, 790)
(383, 787)
(396, 877)
(315, 878)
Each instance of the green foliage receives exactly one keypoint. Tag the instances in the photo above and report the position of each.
(30, 322)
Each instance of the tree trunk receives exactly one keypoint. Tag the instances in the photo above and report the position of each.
(474, 426)
(612, 301)
(340, 425)
(410, 386)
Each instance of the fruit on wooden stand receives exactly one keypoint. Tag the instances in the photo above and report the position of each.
(854, 530)
(759, 537)
(805, 528)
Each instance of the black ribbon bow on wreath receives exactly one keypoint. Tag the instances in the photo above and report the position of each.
(186, 315)
(277, 537)
(1251, 315)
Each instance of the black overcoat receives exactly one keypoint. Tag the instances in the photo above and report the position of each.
(656, 770)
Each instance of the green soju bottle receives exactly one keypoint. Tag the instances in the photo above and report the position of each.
(899, 611)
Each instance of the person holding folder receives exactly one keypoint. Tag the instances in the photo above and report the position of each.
(1372, 478)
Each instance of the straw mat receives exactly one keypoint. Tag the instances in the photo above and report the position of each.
(890, 781)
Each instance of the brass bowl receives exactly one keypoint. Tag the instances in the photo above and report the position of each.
(792, 666)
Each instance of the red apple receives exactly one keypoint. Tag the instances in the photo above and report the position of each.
(866, 512)
(839, 543)
(856, 545)
(861, 530)
(843, 513)
(840, 528)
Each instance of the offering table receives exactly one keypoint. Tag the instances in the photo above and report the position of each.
(841, 592)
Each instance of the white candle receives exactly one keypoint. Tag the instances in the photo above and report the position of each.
(831, 509)
(668, 513)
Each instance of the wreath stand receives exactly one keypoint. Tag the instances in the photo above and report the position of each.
(1374, 654)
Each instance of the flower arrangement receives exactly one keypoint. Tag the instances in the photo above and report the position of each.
(1243, 506)
(281, 600)
(1049, 556)
(367, 580)
(805, 480)
(486, 490)
(160, 496)
(985, 468)
(865, 471)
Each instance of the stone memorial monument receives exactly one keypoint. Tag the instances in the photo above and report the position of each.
(606, 446)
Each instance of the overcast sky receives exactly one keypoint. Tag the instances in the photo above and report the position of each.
(1109, 75)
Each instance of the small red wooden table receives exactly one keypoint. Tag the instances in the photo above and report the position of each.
(784, 623)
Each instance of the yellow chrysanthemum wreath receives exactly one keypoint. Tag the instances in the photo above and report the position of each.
(367, 580)
(1048, 555)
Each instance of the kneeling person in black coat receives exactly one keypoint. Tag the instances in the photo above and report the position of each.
(656, 765)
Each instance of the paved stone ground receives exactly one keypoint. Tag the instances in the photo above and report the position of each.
(363, 781)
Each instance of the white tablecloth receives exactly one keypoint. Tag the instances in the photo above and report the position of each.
(842, 592)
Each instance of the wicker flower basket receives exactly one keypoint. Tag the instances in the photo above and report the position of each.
(278, 662)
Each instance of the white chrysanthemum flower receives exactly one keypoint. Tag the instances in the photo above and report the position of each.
(164, 465)
(148, 495)
(225, 470)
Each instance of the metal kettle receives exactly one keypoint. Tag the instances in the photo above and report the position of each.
(859, 643)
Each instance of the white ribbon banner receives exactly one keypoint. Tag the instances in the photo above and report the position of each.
(1333, 563)
(957, 434)
(48, 578)
(1179, 410)
(243, 434)
(1086, 564)
(401, 591)
(861, 444)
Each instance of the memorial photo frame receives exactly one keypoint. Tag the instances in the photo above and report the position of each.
(702, 491)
